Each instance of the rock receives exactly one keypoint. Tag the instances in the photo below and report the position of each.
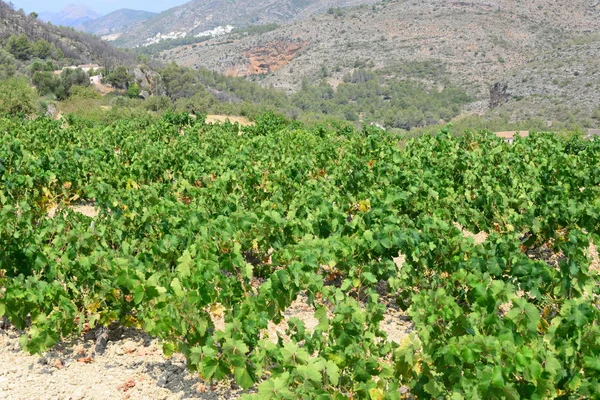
(498, 95)
(148, 80)
(51, 110)
(101, 340)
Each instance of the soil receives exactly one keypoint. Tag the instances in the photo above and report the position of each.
(132, 367)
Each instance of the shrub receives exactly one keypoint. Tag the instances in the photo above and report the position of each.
(17, 97)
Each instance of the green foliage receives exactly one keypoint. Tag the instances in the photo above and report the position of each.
(253, 30)
(17, 97)
(158, 103)
(199, 220)
(23, 49)
(39, 66)
(84, 92)
(19, 46)
(8, 65)
(395, 104)
(42, 49)
(47, 83)
(61, 85)
(133, 91)
(118, 77)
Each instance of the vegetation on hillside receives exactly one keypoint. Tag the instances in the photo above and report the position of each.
(365, 96)
(77, 47)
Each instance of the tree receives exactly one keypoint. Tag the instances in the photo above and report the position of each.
(19, 46)
(72, 77)
(134, 91)
(17, 97)
(42, 49)
(46, 83)
(118, 78)
(8, 65)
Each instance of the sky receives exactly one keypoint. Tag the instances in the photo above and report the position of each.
(100, 6)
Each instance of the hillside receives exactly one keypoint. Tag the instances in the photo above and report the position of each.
(71, 15)
(199, 16)
(115, 22)
(471, 44)
(77, 46)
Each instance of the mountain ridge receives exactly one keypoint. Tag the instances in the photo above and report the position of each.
(77, 46)
(71, 15)
(115, 22)
(198, 16)
(471, 44)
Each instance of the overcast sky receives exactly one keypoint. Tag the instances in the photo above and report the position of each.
(100, 6)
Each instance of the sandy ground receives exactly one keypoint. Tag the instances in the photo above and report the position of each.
(132, 367)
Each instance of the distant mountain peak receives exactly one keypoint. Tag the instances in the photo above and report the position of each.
(71, 15)
(115, 22)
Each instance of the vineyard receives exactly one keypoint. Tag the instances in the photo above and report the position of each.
(197, 220)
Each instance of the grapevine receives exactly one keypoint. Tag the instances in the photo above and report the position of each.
(194, 218)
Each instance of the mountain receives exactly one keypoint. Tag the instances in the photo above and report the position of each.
(199, 16)
(71, 15)
(79, 47)
(545, 53)
(115, 22)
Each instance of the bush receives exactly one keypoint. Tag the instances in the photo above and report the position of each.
(84, 92)
(134, 91)
(8, 65)
(158, 103)
(17, 97)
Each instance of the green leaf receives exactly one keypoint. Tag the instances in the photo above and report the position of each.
(184, 264)
(321, 316)
(370, 277)
(275, 388)
(235, 347)
(497, 378)
(138, 294)
(310, 372)
(294, 355)
(177, 289)
(242, 377)
(333, 373)
(592, 362)
(248, 271)
(2, 309)
(168, 349)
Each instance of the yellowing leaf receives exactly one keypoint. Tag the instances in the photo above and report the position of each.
(376, 394)
(217, 310)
